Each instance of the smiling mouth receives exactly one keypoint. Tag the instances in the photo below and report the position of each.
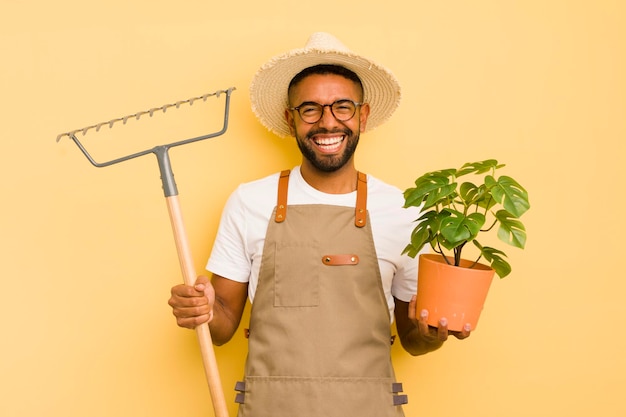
(329, 144)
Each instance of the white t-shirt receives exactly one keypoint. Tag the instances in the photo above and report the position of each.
(238, 246)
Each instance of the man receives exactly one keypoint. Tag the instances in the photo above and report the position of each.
(317, 250)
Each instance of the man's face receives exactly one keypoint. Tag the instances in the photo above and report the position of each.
(329, 143)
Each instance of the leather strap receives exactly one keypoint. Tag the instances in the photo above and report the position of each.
(342, 259)
(240, 387)
(281, 204)
(400, 399)
(360, 216)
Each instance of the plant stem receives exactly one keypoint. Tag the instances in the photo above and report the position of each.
(476, 261)
(457, 254)
(440, 252)
(490, 227)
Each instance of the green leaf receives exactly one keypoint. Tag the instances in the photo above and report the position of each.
(509, 193)
(410, 250)
(430, 189)
(478, 167)
(423, 233)
(484, 199)
(497, 262)
(468, 193)
(457, 228)
(511, 230)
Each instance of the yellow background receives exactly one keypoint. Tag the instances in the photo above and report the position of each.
(87, 255)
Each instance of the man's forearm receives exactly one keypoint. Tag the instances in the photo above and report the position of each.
(223, 326)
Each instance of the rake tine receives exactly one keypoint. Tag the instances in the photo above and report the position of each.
(138, 115)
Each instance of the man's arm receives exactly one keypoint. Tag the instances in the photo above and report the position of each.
(220, 302)
(416, 336)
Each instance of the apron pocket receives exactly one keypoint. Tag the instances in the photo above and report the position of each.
(297, 274)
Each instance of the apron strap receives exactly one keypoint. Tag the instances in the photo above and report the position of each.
(281, 205)
(360, 214)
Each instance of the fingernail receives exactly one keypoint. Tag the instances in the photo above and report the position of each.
(443, 321)
(467, 327)
(424, 314)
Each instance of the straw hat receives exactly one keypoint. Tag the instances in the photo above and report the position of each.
(268, 90)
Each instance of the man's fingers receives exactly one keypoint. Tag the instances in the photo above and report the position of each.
(412, 308)
(201, 283)
(188, 301)
(442, 330)
(464, 333)
(202, 279)
(193, 321)
(423, 323)
(185, 291)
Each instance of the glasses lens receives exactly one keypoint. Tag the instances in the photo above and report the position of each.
(311, 112)
(343, 109)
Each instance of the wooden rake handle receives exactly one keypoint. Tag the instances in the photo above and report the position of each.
(203, 333)
(182, 244)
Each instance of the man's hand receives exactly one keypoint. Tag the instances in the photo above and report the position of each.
(193, 305)
(219, 302)
(416, 336)
(431, 333)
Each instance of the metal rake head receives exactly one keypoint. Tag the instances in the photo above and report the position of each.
(138, 115)
(72, 134)
(160, 151)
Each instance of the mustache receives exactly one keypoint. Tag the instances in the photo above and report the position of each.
(345, 131)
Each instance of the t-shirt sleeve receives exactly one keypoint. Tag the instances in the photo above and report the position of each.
(229, 256)
(405, 281)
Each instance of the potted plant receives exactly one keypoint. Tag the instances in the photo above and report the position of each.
(455, 213)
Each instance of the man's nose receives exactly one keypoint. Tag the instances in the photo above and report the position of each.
(328, 118)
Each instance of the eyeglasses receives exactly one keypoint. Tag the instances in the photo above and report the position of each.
(311, 112)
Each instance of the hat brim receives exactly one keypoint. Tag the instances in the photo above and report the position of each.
(268, 90)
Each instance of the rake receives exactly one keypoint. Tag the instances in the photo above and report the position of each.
(180, 236)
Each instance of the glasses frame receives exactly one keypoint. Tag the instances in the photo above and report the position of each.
(323, 106)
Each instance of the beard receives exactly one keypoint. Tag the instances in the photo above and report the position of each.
(328, 163)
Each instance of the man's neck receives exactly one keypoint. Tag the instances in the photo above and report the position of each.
(342, 181)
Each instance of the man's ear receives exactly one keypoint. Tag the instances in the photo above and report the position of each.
(289, 118)
(363, 115)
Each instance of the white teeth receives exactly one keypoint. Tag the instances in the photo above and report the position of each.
(329, 141)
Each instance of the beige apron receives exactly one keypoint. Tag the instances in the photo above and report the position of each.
(319, 343)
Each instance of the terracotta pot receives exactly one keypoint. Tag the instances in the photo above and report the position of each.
(457, 293)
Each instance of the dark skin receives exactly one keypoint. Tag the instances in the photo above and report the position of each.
(192, 307)
(221, 301)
